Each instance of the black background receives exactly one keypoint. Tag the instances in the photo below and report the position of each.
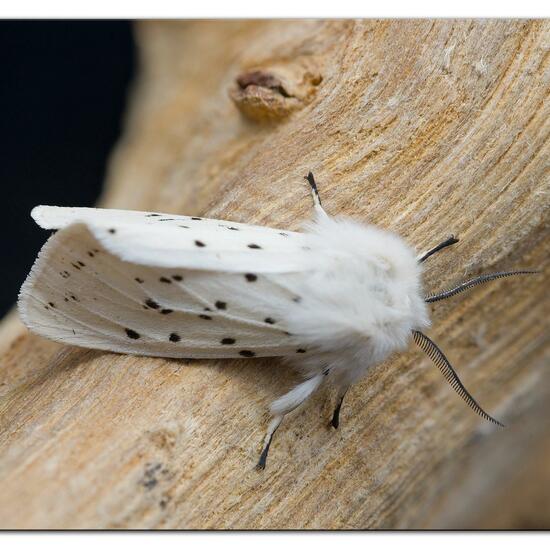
(63, 91)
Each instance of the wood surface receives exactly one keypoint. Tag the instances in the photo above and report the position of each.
(424, 127)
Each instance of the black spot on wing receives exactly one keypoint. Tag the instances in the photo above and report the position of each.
(246, 353)
(205, 317)
(269, 321)
(200, 244)
(198, 219)
(174, 337)
(165, 280)
(177, 278)
(131, 333)
(138, 280)
(227, 341)
(254, 246)
(151, 303)
(166, 311)
(112, 230)
(221, 305)
(251, 277)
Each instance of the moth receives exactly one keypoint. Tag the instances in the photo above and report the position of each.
(334, 299)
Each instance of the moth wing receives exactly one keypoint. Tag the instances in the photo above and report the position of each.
(80, 293)
(168, 240)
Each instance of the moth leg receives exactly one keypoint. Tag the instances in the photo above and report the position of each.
(315, 194)
(444, 244)
(282, 406)
(272, 428)
(335, 422)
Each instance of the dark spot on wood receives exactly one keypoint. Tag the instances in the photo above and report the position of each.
(166, 311)
(227, 341)
(174, 337)
(177, 278)
(165, 280)
(221, 305)
(112, 231)
(138, 280)
(131, 333)
(254, 246)
(300, 350)
(250, 277)
(200, 244)
(247, 353)
(269, 321)
(151, 303)
(164, 502)
(206, 317)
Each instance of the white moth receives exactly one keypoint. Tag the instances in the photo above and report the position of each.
(336, 298)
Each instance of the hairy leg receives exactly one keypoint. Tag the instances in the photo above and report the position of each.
(315, 194)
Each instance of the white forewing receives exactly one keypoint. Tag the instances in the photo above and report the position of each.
(168, 240)
(148, 289)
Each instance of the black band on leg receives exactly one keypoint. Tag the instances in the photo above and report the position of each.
(263, 456)
(311, 181)
(447, 242)
(336, 415)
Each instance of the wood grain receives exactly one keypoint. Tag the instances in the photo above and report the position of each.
(424, 127)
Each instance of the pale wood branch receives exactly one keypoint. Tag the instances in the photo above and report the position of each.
(422, 127)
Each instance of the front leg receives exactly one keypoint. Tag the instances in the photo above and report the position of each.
(315, 194)
(282, 406)
(335, 422)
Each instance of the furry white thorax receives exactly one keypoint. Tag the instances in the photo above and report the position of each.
(358, 303)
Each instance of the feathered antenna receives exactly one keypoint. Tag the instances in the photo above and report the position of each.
(474, 282)
(442, 363)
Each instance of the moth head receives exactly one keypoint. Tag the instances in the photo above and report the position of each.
(431, 348)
